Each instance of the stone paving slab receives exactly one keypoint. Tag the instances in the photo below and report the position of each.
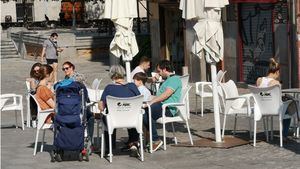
(17, 145)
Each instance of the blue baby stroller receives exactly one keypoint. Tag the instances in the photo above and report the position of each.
(70, 122)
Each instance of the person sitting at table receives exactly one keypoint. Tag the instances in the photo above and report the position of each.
(272, 79)
(70, 73)
(120, 88)
(143, 66)
(44, 95)
(140, 79)
(33, 81)
(169, 92)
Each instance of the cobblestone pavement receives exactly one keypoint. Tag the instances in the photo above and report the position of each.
(17, 145)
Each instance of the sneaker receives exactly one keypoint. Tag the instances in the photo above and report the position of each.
(156, 145)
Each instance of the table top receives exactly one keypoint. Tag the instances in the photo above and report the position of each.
(292, 90)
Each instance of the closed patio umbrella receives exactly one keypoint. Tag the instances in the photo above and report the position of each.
(122, 12)
(208, 39)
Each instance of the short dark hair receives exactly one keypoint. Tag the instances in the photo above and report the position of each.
(141, 76)
(144, 59)
(54, 34)
(166, 64)
(70, 64)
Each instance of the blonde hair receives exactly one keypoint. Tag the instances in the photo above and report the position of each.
(117, 72)
(273, 66)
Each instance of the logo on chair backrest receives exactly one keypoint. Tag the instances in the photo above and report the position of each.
(265, 94)
(123, 106)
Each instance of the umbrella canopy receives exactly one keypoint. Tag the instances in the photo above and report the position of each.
(208, 39)
(122, 12)
(209, 31)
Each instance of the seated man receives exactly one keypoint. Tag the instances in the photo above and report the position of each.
(169, 92)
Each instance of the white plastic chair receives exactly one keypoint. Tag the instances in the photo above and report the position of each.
(28, 116)
(185, 84)
(268, 103)
(14, 102)
(41, 125)
(204, 90)
(182, 116)
(124, 113)
(235, 104)
(94, 96)
(96, 83)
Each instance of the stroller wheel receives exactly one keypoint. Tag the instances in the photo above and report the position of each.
(80, 157)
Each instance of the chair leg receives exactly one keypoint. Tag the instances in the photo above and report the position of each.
(202, 106)
(250, 129)
(28, 112)
(272, 131)
(254, 133)
(98, 138)
(234, 127)
(22, 118)
(141, 147)
(102, 145)
(36, 140)
(189, 131)
(164, 133)
(280, 130)
(16, 116)
(110, 148)
(196, 111)
(43, 139)
(173, 129)
(224, 123)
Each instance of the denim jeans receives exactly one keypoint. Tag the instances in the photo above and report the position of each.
(285, 127)
(156, 113)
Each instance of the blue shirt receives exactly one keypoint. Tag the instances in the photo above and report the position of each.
(127, 90)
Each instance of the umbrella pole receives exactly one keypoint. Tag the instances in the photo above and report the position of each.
(128, 77)
(215, 102)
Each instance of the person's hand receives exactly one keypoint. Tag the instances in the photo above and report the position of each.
(60, 49)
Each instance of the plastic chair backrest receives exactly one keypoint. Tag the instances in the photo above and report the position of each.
(230, 89)
(220, 75)
(94, 95)
(27, 85)
(183, 111)
(96, 83)
(185, 80)
(267, 99)
(41, 117)
(125, 112)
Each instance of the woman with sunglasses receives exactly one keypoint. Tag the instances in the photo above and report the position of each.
(34, 76)
(69, 69)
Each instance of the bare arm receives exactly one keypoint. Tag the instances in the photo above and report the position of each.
(101, 105)
(43, 53)
(258, 81)
(51, 103)
(165, 95)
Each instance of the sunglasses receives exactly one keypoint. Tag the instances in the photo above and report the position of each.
(65, 68)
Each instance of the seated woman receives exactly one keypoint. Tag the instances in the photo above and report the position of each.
(44, 95)
(33, 81)
(120, 88)
(270, 80)
(70, 73)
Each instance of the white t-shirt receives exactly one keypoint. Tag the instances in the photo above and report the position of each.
(145, 92)
(136, 70)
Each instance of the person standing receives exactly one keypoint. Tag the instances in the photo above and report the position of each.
(51, 49)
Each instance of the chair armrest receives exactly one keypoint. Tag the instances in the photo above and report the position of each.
(172, 104)
(202, 85)
(246, 96)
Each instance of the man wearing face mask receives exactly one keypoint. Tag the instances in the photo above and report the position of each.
(51, 49)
